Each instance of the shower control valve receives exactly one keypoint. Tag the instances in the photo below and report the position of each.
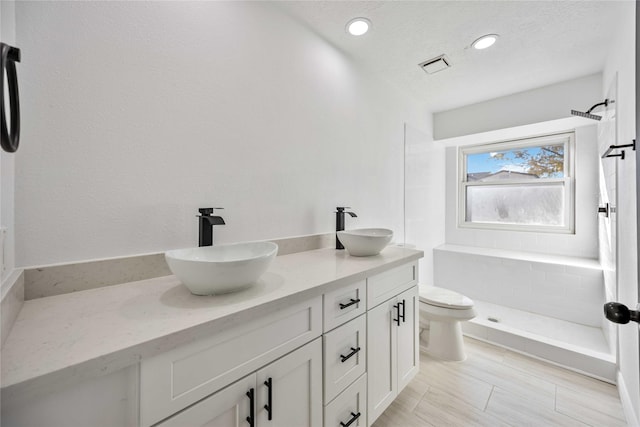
(604, 210)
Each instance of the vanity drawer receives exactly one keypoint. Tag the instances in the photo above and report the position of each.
(171, 381)
(348, 405)
(345, 356)
(344, 304)
(390, 283)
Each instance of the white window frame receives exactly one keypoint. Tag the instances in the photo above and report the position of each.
(568, 182)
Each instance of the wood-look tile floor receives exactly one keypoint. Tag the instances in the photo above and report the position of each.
(497, 387)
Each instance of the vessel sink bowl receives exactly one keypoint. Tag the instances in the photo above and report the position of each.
(221, 269)
(365, 241)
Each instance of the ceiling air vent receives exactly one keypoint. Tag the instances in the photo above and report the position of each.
(436, 64)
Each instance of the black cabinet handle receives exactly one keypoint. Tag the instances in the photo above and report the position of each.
(269, 405)
(404, 303)
(350, 303)
(353, 418)
(620, 313)
(397, 307)
(348, 356)
(10, 137)
(251, 417)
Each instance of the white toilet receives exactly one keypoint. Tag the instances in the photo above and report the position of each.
(442, 310)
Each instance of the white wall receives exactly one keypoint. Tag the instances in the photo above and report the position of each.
(556, 287)
(621, 60)
(425, 196)
(581, 244)
(138, 113)
(533, 106)
(7, 162)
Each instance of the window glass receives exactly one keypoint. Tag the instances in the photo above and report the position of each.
(545, 161)
(516, 204)
(520, 185)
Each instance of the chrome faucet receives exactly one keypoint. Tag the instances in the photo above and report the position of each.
(206, 222)
(340, 211)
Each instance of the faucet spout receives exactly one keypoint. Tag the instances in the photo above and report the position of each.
(213, 220)
(340, 211)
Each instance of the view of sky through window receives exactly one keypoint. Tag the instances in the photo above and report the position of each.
(518, 184)
(542, 161)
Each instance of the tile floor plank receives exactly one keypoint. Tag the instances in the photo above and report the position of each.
(498, 387)
(443, 409)
(581, 405)
(449, 379)
(560, 376)
(523, 412)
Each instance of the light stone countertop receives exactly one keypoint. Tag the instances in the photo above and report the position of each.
(64, 339)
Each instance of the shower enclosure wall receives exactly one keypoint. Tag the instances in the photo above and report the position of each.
(538, 293)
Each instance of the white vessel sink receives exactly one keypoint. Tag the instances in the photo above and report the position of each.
(221, 269)
(365, 241)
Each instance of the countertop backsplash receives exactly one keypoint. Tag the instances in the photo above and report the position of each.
(40, 282)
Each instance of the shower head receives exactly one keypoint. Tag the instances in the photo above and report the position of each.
(588, 114)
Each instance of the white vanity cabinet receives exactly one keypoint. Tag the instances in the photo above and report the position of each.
(228, 407)
(317, 344)
(176, 379)
(284, 393)
(393, 340)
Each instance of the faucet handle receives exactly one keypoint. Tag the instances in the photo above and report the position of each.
(342, 208)
(207, 211)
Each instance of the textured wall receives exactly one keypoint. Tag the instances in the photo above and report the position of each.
(141, 112)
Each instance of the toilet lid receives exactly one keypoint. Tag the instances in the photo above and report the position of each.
(442, 297)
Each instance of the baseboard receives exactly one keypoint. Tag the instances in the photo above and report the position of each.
(633, 419)
(11, 300)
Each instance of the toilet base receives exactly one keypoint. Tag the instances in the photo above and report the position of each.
(445, 341)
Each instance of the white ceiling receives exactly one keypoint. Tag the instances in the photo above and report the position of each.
(541, 43)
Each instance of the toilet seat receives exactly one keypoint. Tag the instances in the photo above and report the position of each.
(441, 297)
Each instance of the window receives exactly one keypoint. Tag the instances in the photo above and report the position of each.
(524, 185)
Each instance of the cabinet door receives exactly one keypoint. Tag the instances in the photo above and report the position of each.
(178, 378)
(296, 389)
(345, 356)
(349, 407)
(344, 304)
(382, 363)
(408, 337)
(229, 407)
(390, 283)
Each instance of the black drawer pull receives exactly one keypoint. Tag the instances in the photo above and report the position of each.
(353, 418)
(251, 418)
(269, 405)
(348, 356)
(350, 303)
(397, 306)
(404, 307)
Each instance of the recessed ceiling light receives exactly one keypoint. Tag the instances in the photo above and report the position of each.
(485, 41)
(358, 26)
